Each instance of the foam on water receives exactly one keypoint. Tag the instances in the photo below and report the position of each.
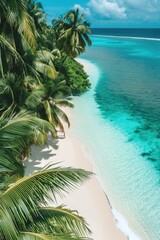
(98, 146)
(130, 180)
(126, 37)
(123, 225)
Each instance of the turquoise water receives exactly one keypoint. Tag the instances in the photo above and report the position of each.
(120, 125)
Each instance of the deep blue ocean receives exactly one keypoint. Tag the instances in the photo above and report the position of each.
(128, 32)
(124, 130)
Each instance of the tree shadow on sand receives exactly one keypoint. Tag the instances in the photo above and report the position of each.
(41, 156)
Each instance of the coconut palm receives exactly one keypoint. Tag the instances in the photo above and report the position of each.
(17, 133)
(72, 33)
(21, 23)
(15, 24)
(12, 92)
(44, 33)
(47, 101)
(44, 101)
(23, 207)
(24, 60)
(53, 100)
(16, 19)
(38, 15)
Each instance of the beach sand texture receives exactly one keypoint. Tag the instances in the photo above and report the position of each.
(88, 199)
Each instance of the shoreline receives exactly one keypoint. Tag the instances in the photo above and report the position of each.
(96, 208)
(89, 199)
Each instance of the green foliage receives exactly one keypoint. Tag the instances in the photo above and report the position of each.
(72, 33)
(74, 74)
(21, 206)
(32, 93)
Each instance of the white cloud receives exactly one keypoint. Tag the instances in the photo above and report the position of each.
(142, 10)
(107, 10)
(143, 5)
(86, 11)
(122, 11)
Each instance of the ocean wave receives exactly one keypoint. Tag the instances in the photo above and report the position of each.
(123, 225)
(126, 37)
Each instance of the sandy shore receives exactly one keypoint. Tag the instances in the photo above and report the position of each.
(89, 199)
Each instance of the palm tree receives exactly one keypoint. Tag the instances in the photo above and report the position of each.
(17, 133)
(15, 24)
(53, 100)
(44, 32)
(24, 207)
(72, 33)
(44, 101)
(16, 19)
(24, 67)
(38, 15)
(21, 24)
(12, 92)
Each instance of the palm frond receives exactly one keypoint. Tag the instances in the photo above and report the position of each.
(87, 39)
(35, 236)
(31, 82)
(62, 218)
(9, 163)
(4, 43)
(8, 228)
(19, 201)
(35, 98)
(44, 56)
(13, 133)
(61, 114)
(41, 185)
(46, 70)
(64, 103)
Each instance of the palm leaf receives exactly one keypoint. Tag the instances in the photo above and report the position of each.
(37, 236)
(21, 199)
(45, 69)
(50, 117)
(9, 163)
(44, 56)
(16, 14)
(31, 83)
(62, 218)
(12, 50)
(87, 39)
(64, 103)
(35, 98)
(61, 114)
(19, 126)
(8, 229)
(41, 185)
(48, 112)
(27, 27)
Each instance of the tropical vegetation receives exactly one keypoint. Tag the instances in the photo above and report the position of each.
(38, 74)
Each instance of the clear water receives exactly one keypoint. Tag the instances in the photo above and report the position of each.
(120, 125)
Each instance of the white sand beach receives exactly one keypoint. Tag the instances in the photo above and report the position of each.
(89, 199)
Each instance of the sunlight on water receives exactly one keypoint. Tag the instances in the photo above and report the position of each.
(121, 127)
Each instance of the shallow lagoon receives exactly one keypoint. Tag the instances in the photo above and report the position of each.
(120, 125)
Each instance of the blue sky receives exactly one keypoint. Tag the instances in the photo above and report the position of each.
(109, 13)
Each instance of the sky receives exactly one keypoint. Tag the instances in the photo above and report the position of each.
(109, 13)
